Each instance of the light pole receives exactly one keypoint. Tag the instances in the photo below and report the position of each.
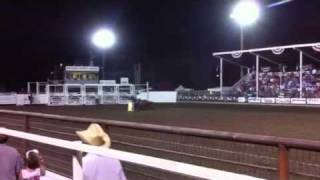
(245, 13)
(103, 39)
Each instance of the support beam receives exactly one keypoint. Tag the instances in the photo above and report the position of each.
(241, 72)
(103, 73)
(267, 59)
(232, 62)
(308, 55)
(221, 76)
(257, 76)
(301, 64)
(241, 38)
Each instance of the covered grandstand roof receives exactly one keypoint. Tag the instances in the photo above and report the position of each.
(277, 56)
(274, 48)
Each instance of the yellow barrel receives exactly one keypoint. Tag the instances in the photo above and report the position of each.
(130, 106)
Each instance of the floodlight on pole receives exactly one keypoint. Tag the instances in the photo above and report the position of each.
(103, 38)
(245, 12)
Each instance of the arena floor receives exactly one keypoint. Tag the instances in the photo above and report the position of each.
(297, 122)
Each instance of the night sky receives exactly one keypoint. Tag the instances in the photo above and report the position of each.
(172, 39)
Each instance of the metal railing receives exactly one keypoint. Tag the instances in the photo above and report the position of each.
(256, 155)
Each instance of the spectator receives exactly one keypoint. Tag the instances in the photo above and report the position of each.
(96, 167)
(10, 160)
(34, 166)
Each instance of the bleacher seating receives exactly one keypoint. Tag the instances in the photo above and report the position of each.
(282, 84)
(271, 84)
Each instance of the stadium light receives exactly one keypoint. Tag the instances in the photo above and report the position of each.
(103, 38)
(246, 12)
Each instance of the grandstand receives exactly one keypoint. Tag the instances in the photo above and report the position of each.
(283, 74)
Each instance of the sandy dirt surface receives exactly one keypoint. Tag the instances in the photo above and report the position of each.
(296, 122)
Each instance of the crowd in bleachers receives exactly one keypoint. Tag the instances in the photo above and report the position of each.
(282, 84)
(205, 96)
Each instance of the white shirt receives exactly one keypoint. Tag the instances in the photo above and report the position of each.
(97, 167)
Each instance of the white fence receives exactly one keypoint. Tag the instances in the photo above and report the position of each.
(162, 164)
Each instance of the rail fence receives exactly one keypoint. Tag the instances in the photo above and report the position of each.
(134, 158)
(266, 157)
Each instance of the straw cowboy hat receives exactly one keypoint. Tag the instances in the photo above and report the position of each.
(95, 136)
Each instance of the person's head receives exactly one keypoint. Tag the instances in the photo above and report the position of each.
(3, 138)
(32, 159)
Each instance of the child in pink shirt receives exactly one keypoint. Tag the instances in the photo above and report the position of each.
(34, 166)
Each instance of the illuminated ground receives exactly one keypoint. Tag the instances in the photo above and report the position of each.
(299, 122)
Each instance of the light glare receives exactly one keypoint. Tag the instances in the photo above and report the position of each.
(246, 12)
(103, 38)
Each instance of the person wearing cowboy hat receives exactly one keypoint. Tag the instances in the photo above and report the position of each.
(96, 167)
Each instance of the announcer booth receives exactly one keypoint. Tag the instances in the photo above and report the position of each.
(80, 84)
(81, 75)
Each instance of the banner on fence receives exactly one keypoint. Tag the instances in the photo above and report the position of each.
(313, 101)
(283, 100)
(298, 101)
(241, 99)
(8, 98)
(254, 100)
(268, 100)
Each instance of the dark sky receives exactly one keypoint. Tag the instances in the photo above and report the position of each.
(172, 39)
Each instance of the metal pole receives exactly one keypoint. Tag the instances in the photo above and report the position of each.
(301, 64)
(257, 76)
(280, 76)
(37, 88)
(241, 38)
(147, 90)
(29, 88)
(103, 66)
(221, 76)
(26, 129)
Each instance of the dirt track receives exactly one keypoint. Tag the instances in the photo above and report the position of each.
(298, 122)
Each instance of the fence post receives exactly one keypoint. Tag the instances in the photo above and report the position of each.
(77, 173)
(76, 169)
(283, 162)
(26, 129)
